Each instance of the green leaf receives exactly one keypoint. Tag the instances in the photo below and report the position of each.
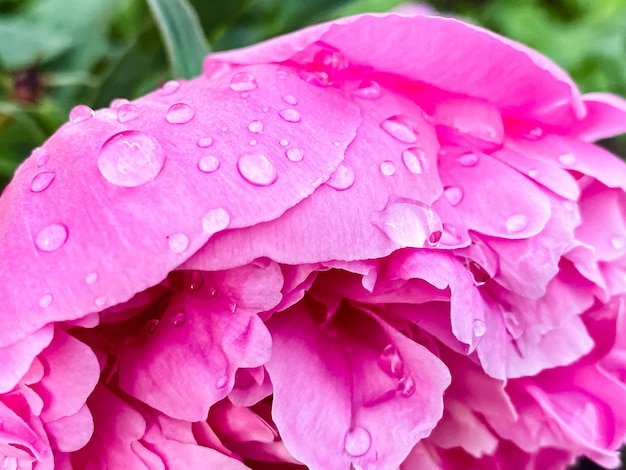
(182, 33)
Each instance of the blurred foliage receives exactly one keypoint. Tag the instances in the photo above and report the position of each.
(57, 53)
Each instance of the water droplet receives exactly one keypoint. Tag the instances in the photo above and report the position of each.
(127, 112)
(100, 301)
(194, 281)
(224, 129)
(415, 160)
(618, 242)
(479, 328)
(453, 194)
(567, 159)
(80, 113)
(257, 169)
(204, 142)
(516, 223)
(45, 300)
(391, 362)
(358, 441)
(409, 224)
(400, 128)
(151, 326)
(289, 115)
(284, 142)
(215, 220)
(388, 168)
(118, 102)
(52, 237)
(435, 237)
(255, 126)
(179, 113)
(170, 87)
(232, 305)
(208, 164)
(468, 159)
(42, 157)
(342, 178)
(294, 154)
(324, 67)
(91, 278)
(253, 142)
(368, 90)
(41, 181)
(243, 81)
(336, 143)
(222, 381)
(406, 386)
(480, 275)
(178, 242)
(244, 95)
(534, 134)
(265, 109)
(179, 319)
(290, 100)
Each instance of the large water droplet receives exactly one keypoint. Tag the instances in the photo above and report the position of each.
(215, 220)
(415, 160)
(368, 90)
(453, 194)
(406, 386)
(391, 362)
(567, 159)
(324, 67)
(52, 237)
(179, 319)
(204, 142)
(255, 126)
(342, 178)
(516, 223)
(91, 278)
(127, 112)
(294, 154)
(208, 164)
(388, 168)
(45, 300)
(41, 181)
(170, 87)
(243, 81)
(178, 242)
(179, 113)
(289, 115)
(290, 100)
(358, 441)
(80, 113)
(468, 159)
(409, 224)
(257, 169)
(400, 128)
(479, 328)
(131, 159)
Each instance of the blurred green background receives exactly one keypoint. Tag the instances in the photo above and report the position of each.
(55, 54)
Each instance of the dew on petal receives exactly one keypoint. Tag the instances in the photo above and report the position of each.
(151, 326)
(533, 173)
(290, 100)
(179, 319)
(194, 281)
(468, 159)
(127, 112)
(400, 128)
(469, 122)
(131, 159)
(325, 65)
(368, 90)
(390, 362)
(209, 164)
(243, 81)
(204, 142)
(41, 181)
(81, 113)
(100, 301)
(91, 278)
(224, 129)
(567, 159)
(221, 382)
(289, 115)
(358, 441)
(170, 87)
(414, 159)
(178, 242)
(388, 168)
(516, 223)
(454, 195)
(42, 156)
(118, 102)
(618, 242)
(406, 386)
(479, 274)
(255, 126)
(215, 220)
(46, 300)
(284, 142)
(336, 143)
(256, 169)
(179, 113)
(253, 142)
(52, 237)
(534, 134)
(435, 237)
(409, 224)
(479, 327)
(342, 178)
(294, 154)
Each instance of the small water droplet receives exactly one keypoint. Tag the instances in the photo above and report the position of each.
(265, 109)
(118, 102)
(41, 181)
(388, 168)
(294, 154)
(45, 300)
(336, 143)
(243, 81)
(257, 169)
(194, 281)
(284, 142)
(204, 142)
(179, 319)
(567, 159)
(391, 362)
(209, 164)
(290, 100)
(618, 242)
(81, 113)
(406, 386)
(358, 441)
(534, 134)
(178, 242)
(52, 237)
(170, 87)
(516, 223)
(244, 95)
(131, 159)
(454, 195)
(533, 173)
(253, 142)
(91, 278)
(151, 326)
(100, 301)
(480, 275)
(479, 327)
(222, 381)
(232, 306)
(342, 178)
(215, 220)
(400, 128)
(468, 159)
(224, 129)
(415, 160)
(289, 115)
(179, 113)
(255, 126)
(127, 112)
(368, 90)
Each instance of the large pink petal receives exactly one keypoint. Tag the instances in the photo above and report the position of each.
(606, 117)
(17, 358)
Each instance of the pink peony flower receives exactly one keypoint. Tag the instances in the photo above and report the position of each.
(384, 242)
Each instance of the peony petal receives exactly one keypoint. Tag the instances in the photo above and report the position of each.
(17, 358)
(606, 117)
(70, 433)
